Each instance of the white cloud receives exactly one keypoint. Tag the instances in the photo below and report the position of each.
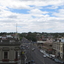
(24, 4)
(36, 20)
(60, 13)
(37, 11)
(53, 7)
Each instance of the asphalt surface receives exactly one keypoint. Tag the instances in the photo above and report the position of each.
(37, 56)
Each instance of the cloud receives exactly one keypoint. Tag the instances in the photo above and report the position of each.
(52, 7)
(60, 13)
(15, 4)
(37, 11)
(12, 16)
(35, 20)
(24, 4)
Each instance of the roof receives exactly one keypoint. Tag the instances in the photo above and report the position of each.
(41, 41)
(9, 42)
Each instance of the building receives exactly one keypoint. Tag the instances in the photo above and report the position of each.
(46, 44)
(41, 42)
(9, 50)
(58, 48)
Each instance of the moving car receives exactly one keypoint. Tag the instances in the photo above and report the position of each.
(32, 62)
(33, 49)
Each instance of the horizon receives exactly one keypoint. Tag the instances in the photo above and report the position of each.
(32, 32)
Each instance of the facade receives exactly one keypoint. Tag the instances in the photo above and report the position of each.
(41, 42)
(9, 50)
(46, 44)
(58, 47)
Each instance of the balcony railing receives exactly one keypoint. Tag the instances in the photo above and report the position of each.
(5, 60)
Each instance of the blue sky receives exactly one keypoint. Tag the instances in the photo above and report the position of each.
(20, 11)
(32, 15)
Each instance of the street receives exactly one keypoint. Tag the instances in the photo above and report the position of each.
(37, 56)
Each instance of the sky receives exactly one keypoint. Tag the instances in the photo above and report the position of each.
(32, 16)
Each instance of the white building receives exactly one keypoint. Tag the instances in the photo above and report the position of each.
(58, 47)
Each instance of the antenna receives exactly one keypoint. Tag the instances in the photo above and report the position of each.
(16, 28)
(16, 32)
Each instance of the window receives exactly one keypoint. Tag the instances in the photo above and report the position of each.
(16, 55)
(5, 55)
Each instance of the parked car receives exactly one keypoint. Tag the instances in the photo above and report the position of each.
(47, 55)
(52, 55)
(44, 56)
(58, 61)
(42, 51)
(61, 62)
(39, 47)
(52, 58)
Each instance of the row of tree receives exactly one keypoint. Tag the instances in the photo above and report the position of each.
(33, 35)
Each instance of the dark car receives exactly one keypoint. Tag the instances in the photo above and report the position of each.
(26, 63)
(29, 62)
(32, 62)
(61, 62)
(52, 58)
(58, 61)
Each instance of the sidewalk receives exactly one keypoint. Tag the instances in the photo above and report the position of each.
(19, 61)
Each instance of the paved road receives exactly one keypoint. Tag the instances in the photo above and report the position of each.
(38, 56)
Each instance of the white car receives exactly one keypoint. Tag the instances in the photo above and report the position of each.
(47, 55)
(44, 55)
(52, 55)
(33, 48)
(41, 51)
